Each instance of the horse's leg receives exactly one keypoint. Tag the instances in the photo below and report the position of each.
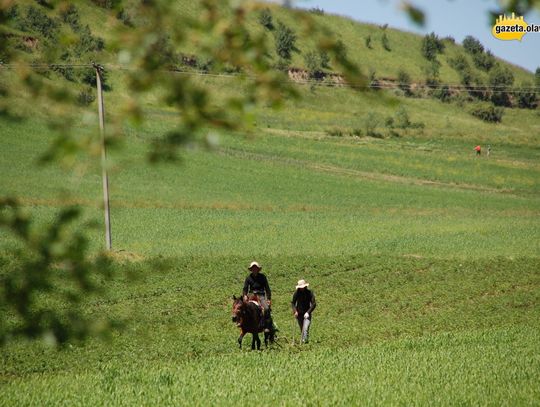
(240, 340)
(257, 341)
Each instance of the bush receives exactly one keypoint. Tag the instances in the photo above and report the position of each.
(12, 13)
(371, 123)
(285, 39)
(340, 50)
(442, 93)
(313, 64)
(501, 79)
(431, 46)
(125, 18)
(317, 10)
(484, 60)
(335, 132)
(282, 65)
(402, 119)
(488, 112)
(37, 20)
(204, 64)
(70, 16)
(472, 45)
(368, 41)
(537, 77)
(526, 96)
(404, 82)
(265, 19)
(324, 59)
(461, 65)
(87, 42)
(431, 70)
(86, 97)
(385, 42)
(66, 71)
(449, 39)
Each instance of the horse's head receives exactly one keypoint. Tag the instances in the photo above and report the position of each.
(237, 310)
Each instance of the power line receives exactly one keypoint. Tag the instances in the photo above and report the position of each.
(375, 84)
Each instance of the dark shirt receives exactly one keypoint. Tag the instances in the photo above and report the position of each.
(257, 284)
(303, 301)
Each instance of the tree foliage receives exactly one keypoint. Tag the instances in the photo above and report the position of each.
(472, 45)
(265, 19)
(431, 46)
(501, 80)
(285, 39)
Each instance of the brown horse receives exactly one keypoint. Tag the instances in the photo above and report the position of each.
(247, 315)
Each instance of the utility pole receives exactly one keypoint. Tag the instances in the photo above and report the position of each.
(108, 237)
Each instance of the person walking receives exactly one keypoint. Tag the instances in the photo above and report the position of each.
(478, 150)
(303, 303)
(256, 283)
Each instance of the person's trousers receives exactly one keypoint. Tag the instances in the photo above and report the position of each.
(304, 324)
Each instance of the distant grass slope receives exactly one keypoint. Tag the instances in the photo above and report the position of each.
(405, 47)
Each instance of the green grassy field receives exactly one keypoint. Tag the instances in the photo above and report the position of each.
(425, 260)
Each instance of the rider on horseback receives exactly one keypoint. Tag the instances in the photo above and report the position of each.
(257, 284)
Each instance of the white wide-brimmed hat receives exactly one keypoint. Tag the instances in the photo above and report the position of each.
(302, 284)
(254, 264)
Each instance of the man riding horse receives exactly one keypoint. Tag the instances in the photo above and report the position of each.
(256, 284)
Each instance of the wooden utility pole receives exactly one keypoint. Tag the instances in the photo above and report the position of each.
(105, 178)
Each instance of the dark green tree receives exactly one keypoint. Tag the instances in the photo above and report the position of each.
(501, 80)
(285, 40)
(265, 19)
(432, 45)
(472, 45)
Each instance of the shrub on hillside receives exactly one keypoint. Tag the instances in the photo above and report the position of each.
(12, 13)
(36, 20)
(368, 41)
(431, 70)
(317, 10)
(86, 97)
(385, 42)
(461, 65)
(487, 112)
(442, 93)
(125, 18)
(66, 71)
(484, 60)
(324, 59)
(526, 96)
(266, 20)
(537, 77)
(371, 123)
(70, 16)
(472, 45)
(501, 80)
(314, 64)
(431, 46)
(87, 42)
(285, 41)
(404, 82)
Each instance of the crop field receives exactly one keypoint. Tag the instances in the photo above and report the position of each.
(424, 259)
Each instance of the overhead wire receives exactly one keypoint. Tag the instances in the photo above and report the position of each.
(381, 83)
